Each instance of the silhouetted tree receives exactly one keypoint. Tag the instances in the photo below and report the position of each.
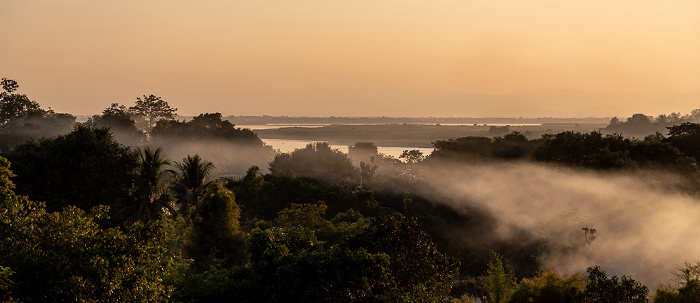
(22, 119)
(152, 109)
(189, 183)
(363, 151)
(205, 127)
(498, 130)
(472, 147)
(604, 289)
(14, 105)
(412, 156)
(686, 137)
(85, 167)
(319, 161)
(512, 146)
(120, 122)
(152, 186)
(688, 290)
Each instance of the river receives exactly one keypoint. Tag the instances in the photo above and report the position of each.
(286, 146)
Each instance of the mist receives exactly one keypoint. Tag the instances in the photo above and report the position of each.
(644, 228)
(230, 159)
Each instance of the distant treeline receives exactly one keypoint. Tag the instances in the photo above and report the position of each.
(640, 125)
(400, 120)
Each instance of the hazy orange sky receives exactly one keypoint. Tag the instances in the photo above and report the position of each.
(341, 58)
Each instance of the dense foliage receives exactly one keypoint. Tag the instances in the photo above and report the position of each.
(85, 168)
(204, 127)
(67, 256)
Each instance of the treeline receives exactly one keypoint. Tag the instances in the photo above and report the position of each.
(401, 120)
(150, 121)
(678, 151)
(640, 125)
(117, 223)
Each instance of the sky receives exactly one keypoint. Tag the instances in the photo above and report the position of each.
(536, 58)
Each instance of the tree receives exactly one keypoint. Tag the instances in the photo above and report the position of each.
(208, 126)
(688, 279)
(9, 85)
(686, 137)
(153, 109)
(547, 286)
(289, 264)
(262, 197)
(512, 146)
(5, 174)
(22, 119)
(471, 147)
(215, 227)
(418, 269)
(85, 167)
(14, 105)
(311, 216)
(500, 280)
(367, 172)
(190, 177)
(412, 156)
(67, 257)
(120, 122)
(152, 186)
(604, 289)
(363, 152)
(318, 161)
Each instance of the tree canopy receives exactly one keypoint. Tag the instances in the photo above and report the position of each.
(85, 167)
(153, 109)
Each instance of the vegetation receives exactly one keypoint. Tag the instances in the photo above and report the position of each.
(118, 223)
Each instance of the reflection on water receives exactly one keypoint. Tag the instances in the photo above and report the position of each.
(286, 146)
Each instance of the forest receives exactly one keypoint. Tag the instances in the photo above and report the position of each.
(134, 205)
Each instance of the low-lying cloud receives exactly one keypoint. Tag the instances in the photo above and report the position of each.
(645, 226)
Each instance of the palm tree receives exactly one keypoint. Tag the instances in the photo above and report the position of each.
(190, 178)
(152, 185)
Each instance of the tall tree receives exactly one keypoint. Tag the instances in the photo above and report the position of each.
(153, 109)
